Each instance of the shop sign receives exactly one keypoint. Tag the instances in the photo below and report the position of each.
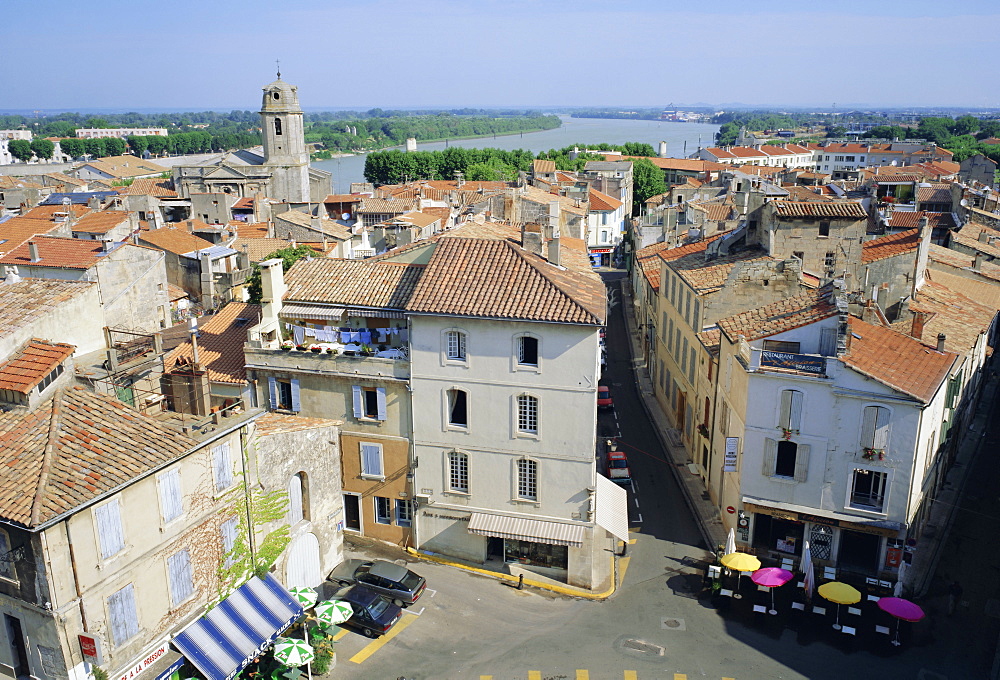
(732, 446)
(90, 645)
(146, 662)
(436, 515)
(599, 250)
(795, 362)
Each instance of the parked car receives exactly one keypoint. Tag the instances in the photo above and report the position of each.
(397, 583)
(604, 397)
(618, 467)
(373, 614)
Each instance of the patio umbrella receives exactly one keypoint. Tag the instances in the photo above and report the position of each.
(903, 610)
(772, 577)
(739, 561)
(730, 542)
(292, 653)
(898, 589)
(304, 595)
(839, 593)
(333, 612)
(808, 571)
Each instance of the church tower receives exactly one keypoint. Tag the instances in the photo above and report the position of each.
(284, 141)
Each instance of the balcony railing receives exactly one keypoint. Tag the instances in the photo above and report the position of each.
(323, 362)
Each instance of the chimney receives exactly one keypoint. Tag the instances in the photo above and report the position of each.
(977, 264)
(33, 251)
(917, 327)
(940, 343)
(531, 238)
(553, 249)
(272, 288)
(94, 203)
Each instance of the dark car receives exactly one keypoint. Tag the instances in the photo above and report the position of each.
(373, 614)
(397, 583)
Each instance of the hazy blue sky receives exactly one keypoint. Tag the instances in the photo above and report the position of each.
(393, 53)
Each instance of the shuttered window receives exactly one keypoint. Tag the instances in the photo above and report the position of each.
(124, 619)
(875, 428)
(371, 460)
(790, 415)
(169, 484)
(181, 580)
(222, 463)
(109, 528)
(786, 459)
(227, 532)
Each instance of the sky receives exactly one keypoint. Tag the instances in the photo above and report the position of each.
(217, 54)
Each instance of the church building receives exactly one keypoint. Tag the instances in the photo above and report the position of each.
(281, 171)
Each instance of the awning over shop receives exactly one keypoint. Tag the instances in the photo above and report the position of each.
(375, 313)
(298, 310)
(612, 508)
(224, 641)
(523, 529)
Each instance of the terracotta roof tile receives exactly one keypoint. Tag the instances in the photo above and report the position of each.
(26, 301)
(176, 241)
(984, 288)
(958, 317)
(220, 343)
(896, 360)
(122, 167)
(258, 249)
(905, 219)
(781, 316)
(18, 230)
(708, 277)
(888, 246)
(277, 423)
(343, 198)
(711, 340)
(361, 283)
(978, 237)
(100, 222)
(953, 258)
(36, 360)
(936, 193)
(602, 202)
(150, 186)
(60, 253)
(540, 165)
(844, 209)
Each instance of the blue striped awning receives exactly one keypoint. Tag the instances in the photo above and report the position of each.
(224, 641)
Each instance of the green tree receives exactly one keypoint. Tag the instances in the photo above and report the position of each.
(72, 147)
(647, 180)
(727, 134)
(934, 129)
(43, 148)
(95, 147)
(989, 128)
(156, 144)
(965, 125)
(97, 123)
(114, 146)
(20, 149)
(289, 256)
(138, 144)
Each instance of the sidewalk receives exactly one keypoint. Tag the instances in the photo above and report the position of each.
(704, 511)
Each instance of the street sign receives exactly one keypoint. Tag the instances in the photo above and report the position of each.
(732, 446)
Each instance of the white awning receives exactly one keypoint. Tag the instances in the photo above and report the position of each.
(375, 313)
(612, 508)
(523, 529)
(298, 310)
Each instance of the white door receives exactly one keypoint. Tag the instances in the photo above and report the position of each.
(302, 567)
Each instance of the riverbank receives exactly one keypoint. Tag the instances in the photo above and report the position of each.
(441, 139)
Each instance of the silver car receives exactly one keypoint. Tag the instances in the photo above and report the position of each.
(397, 583)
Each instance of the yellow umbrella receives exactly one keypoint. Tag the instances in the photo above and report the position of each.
(740, 562)
(840, 593)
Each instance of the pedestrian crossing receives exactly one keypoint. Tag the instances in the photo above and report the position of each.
(584, 674)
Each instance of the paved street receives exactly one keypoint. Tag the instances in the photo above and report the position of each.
(655, 626)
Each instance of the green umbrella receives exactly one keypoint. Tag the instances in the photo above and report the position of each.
(304, 595)
(292, 652)
(333, 612)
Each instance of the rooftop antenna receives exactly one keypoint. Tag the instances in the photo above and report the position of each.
(277, 63)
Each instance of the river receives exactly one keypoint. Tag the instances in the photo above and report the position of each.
(573, 131)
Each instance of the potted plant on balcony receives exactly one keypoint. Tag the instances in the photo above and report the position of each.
(873, 454)
(286, 346)
(315, 349)
(703, 430)
(366, 350)
(301, 348)
(786, 433)
(331, 350)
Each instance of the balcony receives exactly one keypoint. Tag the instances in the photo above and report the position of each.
(324, 363)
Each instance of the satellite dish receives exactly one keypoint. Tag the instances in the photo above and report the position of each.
(345, 216)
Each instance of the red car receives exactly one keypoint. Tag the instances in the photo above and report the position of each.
(604, 397)
(618, 467)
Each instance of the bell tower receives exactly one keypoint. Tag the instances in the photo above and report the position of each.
(284, 141)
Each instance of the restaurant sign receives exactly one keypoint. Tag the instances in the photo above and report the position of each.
(794, 362)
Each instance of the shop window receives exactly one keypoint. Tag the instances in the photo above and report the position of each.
(536, 554)
(868, 489)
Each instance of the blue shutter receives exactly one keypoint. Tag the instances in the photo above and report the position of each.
(272, 387)
(380, 397)
(296, 402)
(358, 412)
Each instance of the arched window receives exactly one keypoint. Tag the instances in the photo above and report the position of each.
(298, 499)
(277, 126)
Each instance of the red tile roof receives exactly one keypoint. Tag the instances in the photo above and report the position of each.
(888, 246)
(781, 316)
(905, 219)
(28, 300)
(35, 361)
(896, 360)
(709, 277)
(61, 253)
(540, 165)
(842, 209)
(360, 283)
(100, 222)
(343, 198)
(960, 318)
(220, 343)
(602, 202)
(150, 186)
(250, 229)
(277, 423)
(173, 240)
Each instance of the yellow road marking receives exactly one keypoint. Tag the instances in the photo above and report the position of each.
(341, 633)
(635, 530)
(485, 677)
(632, 541)
(582, 675)
(680, 676)
(623, 567)
(378, 644)
(534, 675)
(631, 675)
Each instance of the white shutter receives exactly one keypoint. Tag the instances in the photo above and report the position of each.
(784, 414)
(124, 622)
(223, 464)
(801, 462)
(828, 342)
(380, 399)
(371, 460)
(795, 410)
(881, 435)
(770, 454)
(109, 529)
(868, 427)
(181, 582)
(169, 484)
(272, 389)
(294, 499)
(296, 401)
(358, 406)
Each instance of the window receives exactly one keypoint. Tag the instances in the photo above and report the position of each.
(537, 554)
(696, 319)
(527, 414)
(458, 415)
(6, 567)
(181, 580)
(404, 512)
(222, 463)
(786, 459)
(824, 228)
(875, 428)
(691, 366)
(790, 411)
(799, 255)
(277, 127)
(383, 510)
(171, 505)
(455, 345)
(124, 619)
(369, 402)
(48, 379)
(371, 460)
(830, 259)
(527, 350)
(284, 394)
(295, 510)
(458, 472)
(109, 529)
(227, 532)
(781, 346)
(527, 479)
(868, 490)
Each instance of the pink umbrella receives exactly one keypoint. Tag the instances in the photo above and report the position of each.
(903, 610)
(772, 577)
